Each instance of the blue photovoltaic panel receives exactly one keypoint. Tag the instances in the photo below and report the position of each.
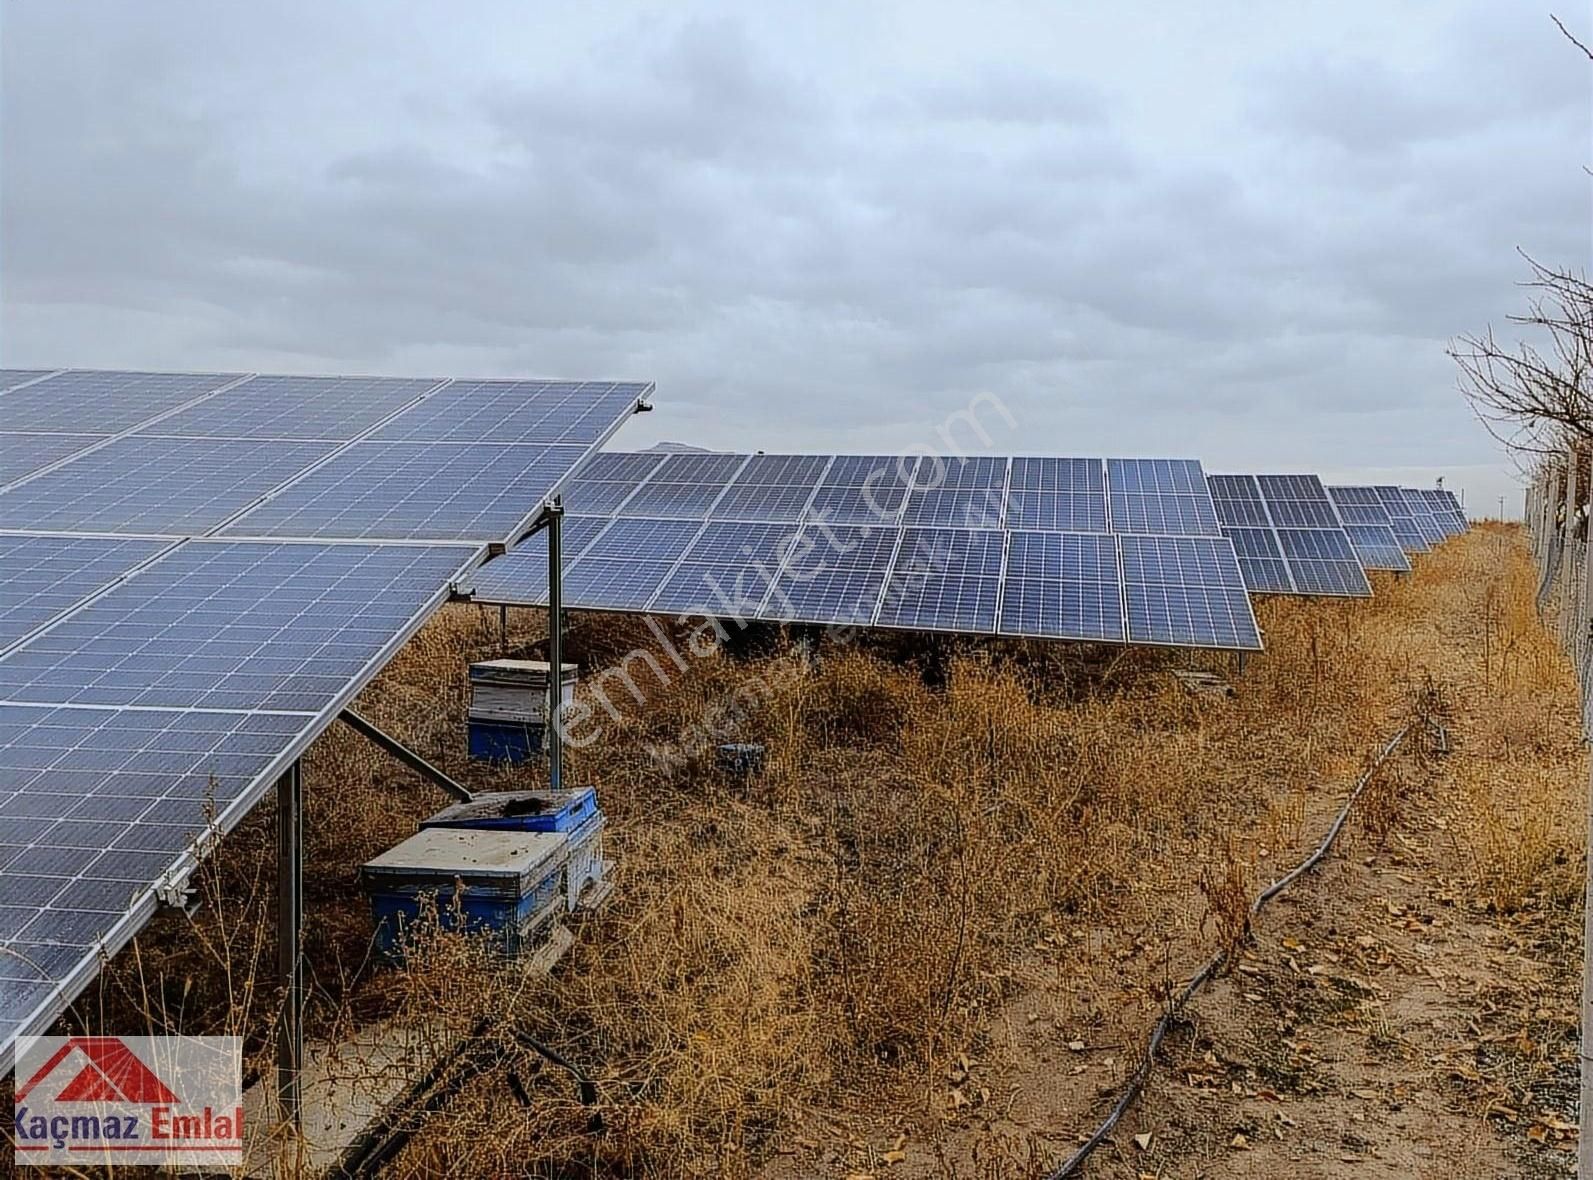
(1377, 547)
(1322, 561)
(337, 408)
(1411, 538)
(233, 625)
(1067, 495)
(1064, 586)
(1186, 591)
(627, 562)
(165, 486)
(606, 481)
(41, 576)
(1297, 501)
(95, 805)
(1260, 560)
(533, 412)
(410, 491)
(771, 488)
(834, 575)
(684, 486)
(728, 569)
(944, 580)
(91, 402)
(864, 489)
(1162, 496)
(521, 575)
(957, 493)
(1359, 505)
(1237, 499)
(23, 454)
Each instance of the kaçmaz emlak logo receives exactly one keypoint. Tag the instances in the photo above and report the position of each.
(129, 1100)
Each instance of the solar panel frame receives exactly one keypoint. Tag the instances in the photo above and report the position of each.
(56, 404)
(1063, 586)
(1168, 497)
(842, 586)
(1411, 538)
(513, 412)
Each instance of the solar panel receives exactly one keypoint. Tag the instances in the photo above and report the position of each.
(627, 562)
(957, 493)
(1322, 561)
(1297, 501)
(1161, 496)
(98, 804)
(23, 454)
(727, 570)
(42, 576)
(523, 571)
(1063, 585)
(409, 491)
(833, 575)
(164, 486)
(1260, 560)
(1359, 505)
(1067, 495)
(280, 407)
(1237, 499)
(864, 489)
(536, 412)
(109, 402)
(1411, 538)
(1377, 547)
(232, 625)
(771, 488)
(944, 580)
(1186, 591)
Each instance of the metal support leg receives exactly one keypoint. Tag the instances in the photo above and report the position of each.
(555, 645)
(1243, 656)
(290, 931)
(503, 629)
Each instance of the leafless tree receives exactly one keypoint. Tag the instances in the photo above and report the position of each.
(1536, 397)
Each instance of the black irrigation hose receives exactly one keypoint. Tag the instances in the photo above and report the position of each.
(1142, 1071)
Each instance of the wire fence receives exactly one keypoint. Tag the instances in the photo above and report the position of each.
(1557, 512)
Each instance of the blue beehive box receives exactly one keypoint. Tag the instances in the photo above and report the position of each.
(505, 741)
(508, 885)
(521, 811)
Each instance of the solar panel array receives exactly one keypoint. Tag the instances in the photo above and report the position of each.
(1370, 528)
(1288, 535)
(1118, 551)
(197, 572)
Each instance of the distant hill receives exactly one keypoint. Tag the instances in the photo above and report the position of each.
(674, 447)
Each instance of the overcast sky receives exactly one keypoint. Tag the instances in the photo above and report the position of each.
(1233, 231)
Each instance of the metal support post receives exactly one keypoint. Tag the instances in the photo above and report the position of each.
(290, 932)
(555, 734)
(503, 629)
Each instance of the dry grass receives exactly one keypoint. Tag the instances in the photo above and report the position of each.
(830, 936)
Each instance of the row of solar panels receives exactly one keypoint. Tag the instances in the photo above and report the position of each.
(1113, 550)
(183, 454)
(155, 673)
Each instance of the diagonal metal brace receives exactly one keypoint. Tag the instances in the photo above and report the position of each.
(405, 755)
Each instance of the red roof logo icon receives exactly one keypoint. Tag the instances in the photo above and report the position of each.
(112, 1073)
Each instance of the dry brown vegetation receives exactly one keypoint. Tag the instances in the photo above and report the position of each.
(836, 937)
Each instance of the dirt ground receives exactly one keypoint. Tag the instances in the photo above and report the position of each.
(1405, 1011)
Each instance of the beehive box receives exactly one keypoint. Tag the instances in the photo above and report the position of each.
(505, 884)
(521, 811)
(515, 691)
